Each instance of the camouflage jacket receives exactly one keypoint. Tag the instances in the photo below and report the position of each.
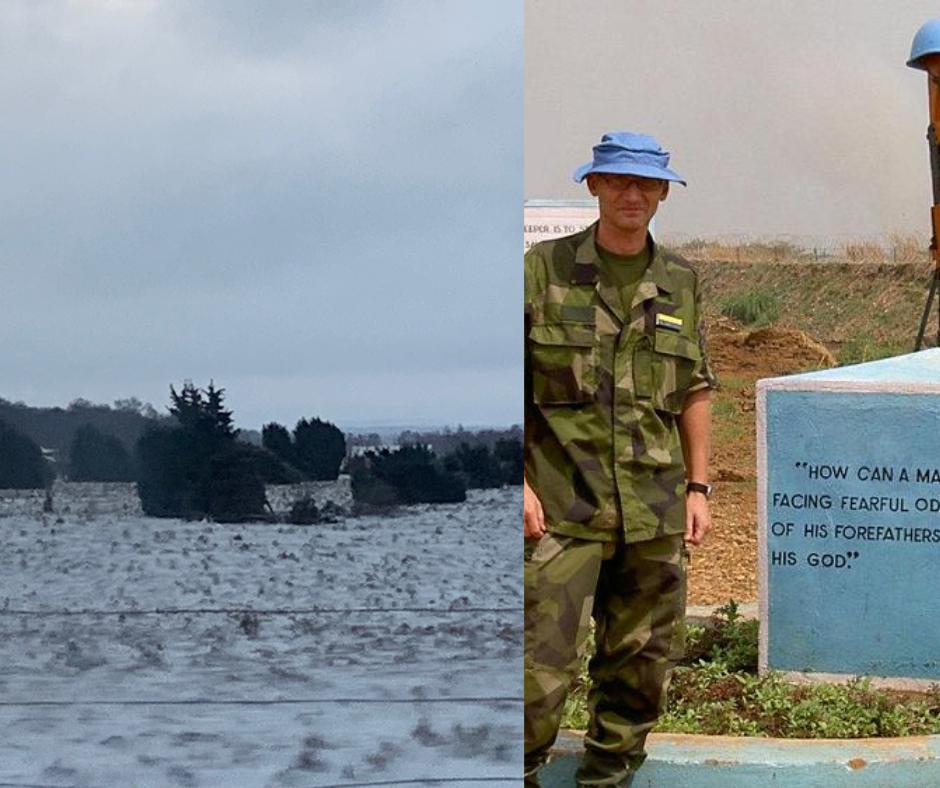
(603, 390)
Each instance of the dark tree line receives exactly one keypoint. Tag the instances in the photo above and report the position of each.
(191, 464)
(93, 456)
(56, 428)
(446, 441)
(198, 431)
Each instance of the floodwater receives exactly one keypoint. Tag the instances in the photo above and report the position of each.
(375, 651)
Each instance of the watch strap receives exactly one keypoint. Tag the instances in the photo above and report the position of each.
(699, 487)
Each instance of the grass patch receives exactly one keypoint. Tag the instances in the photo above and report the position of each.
(863, 346)
(836, 301)
(734, 383)
(716, 691)
(753, 308)
(724, 408)
(726, 431)
(727, 424)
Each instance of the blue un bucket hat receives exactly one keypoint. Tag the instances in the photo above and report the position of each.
(626, 153)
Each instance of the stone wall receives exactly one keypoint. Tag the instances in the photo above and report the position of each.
(282, 496)
(86, 499)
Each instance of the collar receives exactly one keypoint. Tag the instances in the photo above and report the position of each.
(586, 262)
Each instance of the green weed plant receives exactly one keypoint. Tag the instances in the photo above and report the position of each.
(754, 308)
(716, 690)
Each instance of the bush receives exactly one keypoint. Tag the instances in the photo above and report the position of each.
(276, 438)
(169, 473)
(480, 467)
(22, 466)
(412, 474)
(317, 447)
(96, 457)
(231, 490)
(269, 466)
(510, 455)
(180, 477)
(754, 308)
(475, 465)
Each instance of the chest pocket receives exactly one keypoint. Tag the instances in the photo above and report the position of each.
(663, 366)
(564, 371)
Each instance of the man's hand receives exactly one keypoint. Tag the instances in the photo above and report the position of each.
(533, 514)
(698, 519)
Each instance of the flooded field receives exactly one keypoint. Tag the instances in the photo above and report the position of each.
(374, 651)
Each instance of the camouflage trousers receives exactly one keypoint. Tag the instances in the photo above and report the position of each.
(636, 595)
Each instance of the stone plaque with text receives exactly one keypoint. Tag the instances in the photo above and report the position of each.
(849, 520)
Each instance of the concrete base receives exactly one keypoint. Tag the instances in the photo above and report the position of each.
(677, 761)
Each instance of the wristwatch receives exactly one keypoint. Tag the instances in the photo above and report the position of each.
(699, 487)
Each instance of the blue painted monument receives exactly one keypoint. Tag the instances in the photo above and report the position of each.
(849, 520)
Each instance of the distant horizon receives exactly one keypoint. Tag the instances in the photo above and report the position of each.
(382, 426)
(389, 428)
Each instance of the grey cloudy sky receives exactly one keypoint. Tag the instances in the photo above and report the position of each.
(796, 117)
(313, 203)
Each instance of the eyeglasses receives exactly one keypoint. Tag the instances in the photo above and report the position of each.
(621, 183)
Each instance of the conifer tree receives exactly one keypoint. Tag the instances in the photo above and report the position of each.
(199, 468)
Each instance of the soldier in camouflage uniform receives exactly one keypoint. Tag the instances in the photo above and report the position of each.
(617, 424)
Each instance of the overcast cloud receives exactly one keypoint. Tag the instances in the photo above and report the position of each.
(314, 204)
(786, 118)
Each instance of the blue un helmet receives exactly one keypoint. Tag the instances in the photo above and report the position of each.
(926, 42)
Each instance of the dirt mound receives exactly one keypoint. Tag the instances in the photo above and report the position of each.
(766, 352)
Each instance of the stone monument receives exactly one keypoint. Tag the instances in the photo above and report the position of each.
(849, 521)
